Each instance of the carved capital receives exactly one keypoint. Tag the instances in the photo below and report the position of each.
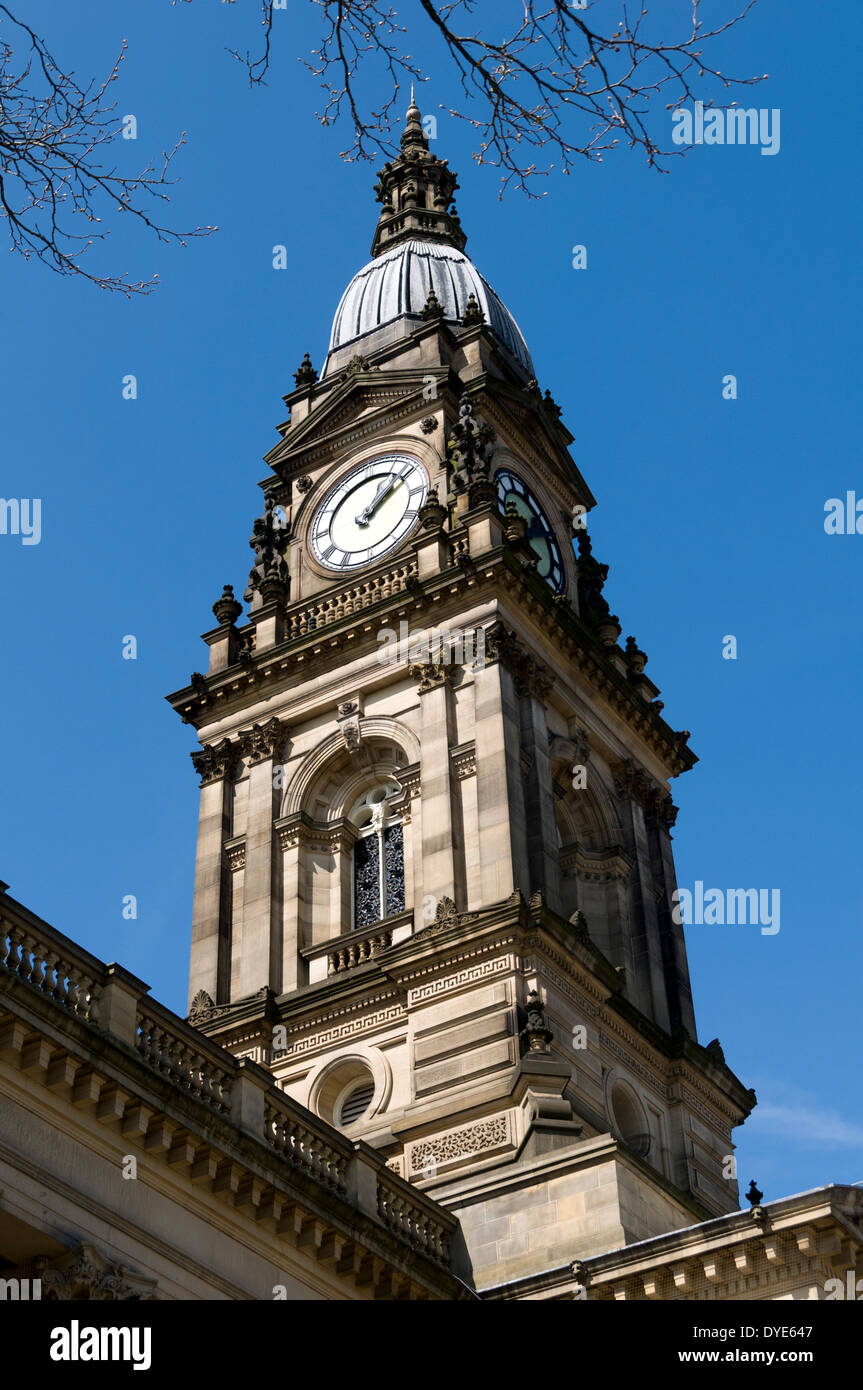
(530, 675)
(263, 741)
(86, 1274)
(432, 673)
(215, 761)
(632, 781)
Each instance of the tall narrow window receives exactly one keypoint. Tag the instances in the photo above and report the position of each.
(379, 862)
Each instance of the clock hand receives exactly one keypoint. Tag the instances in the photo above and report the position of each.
(385, 486)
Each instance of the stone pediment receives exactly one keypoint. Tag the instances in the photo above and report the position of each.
(366, 396)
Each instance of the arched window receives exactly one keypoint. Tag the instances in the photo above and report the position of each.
(379, 859)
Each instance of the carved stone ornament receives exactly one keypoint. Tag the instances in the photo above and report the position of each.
(202, 1007)
(215, 761)
(227, 609)
(470, 447)
(535, 1036)
(306, 374)
(632, 781)
(303, 484)
(432, 514)
(263, 741)
(429, 674)
(428, 425)
(432, 310)
(270, 573)
(446, 914)
(578, 922)
(473, 315)
(86, 1275)
(349, 714)
(530, 675)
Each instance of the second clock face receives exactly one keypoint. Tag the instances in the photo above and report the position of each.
(539, 532)
(368, 512)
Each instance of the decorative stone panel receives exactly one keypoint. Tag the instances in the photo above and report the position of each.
(459, 1146)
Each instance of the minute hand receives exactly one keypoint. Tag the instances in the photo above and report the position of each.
(385, 486)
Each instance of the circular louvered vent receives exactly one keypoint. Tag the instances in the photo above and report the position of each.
(356, 1102)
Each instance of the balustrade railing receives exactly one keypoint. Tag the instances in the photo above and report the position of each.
(55, 973)
(76, 982)
(407, 1218)
(303, 1147)
(167, 1051)
(323, 612)
(357, 952)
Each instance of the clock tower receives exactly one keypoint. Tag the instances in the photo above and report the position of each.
(434, 875)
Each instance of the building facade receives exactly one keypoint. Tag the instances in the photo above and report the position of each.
(433, 937)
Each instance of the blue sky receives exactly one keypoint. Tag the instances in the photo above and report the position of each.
(710, 511)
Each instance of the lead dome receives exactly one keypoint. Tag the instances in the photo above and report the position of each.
(418, 249)
(398, 283)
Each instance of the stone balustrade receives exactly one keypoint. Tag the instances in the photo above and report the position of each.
(293, 1134)
(51, 964)
(39, 964)
(357, 950)
(459, 546)
(176, 1052)
(329, 609)
(403, 1211)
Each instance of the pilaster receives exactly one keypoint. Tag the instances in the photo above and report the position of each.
(211, 913)
(257, 955)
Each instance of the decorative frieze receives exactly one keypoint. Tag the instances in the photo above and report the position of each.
(446, 985)
(312, 1041)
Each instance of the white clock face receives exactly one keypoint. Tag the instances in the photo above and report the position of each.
(368, 512)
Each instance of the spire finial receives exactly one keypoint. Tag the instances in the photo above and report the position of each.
(413, 116)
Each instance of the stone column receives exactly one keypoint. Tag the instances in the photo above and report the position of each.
(258, 960)
(211, 914)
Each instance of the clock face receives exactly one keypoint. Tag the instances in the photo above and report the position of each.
(539, 533)
(368, 512)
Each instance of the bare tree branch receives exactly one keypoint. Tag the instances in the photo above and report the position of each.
(543, 85)
(52, 138)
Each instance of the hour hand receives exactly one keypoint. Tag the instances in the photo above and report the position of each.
(384, 486)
